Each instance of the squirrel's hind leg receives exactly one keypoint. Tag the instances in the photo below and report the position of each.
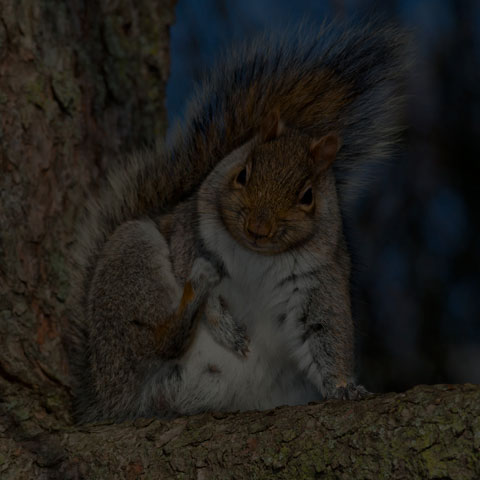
(133, 293)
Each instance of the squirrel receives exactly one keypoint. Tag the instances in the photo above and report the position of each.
(213, 274)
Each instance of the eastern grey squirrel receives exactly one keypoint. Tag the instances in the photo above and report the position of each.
(213, 273)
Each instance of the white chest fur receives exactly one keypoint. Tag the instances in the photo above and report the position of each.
(257, 295)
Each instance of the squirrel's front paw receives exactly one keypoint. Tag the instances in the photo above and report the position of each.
(204, 276)
(350, 391)
(224, 328)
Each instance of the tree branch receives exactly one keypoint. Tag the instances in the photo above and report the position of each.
(429, 432)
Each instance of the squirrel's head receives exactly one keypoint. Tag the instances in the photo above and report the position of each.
(269, 200)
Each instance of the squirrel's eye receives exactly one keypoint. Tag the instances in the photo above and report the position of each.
(307, 197)
(242, 177)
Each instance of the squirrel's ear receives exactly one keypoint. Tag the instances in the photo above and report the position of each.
(272, 126)
(324, 150)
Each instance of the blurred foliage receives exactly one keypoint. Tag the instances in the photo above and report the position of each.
(415, 231)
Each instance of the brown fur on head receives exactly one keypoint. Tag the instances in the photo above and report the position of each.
(270, 202)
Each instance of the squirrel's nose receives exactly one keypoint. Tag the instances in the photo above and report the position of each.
(259, 229)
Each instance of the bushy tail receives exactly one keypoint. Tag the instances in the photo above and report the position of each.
(338, 77)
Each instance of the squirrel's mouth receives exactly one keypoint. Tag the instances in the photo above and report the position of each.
(265, 246)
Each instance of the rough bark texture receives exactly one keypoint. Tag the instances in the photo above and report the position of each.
(80, 82)
(427, 432)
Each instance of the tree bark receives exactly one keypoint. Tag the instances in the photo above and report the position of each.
(80, 83)
(428, 432)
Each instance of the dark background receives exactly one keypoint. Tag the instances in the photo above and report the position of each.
(415, 229)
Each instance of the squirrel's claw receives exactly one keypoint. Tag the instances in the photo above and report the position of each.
(242, 343)
(349, 391)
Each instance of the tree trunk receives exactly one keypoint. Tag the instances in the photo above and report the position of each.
(81, 82)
